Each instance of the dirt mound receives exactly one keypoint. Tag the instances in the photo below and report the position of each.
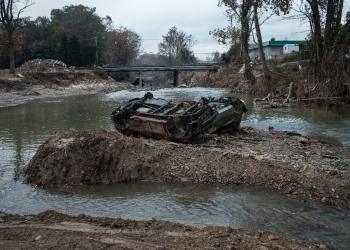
(49, 65)
(296, 166)
(89, 157)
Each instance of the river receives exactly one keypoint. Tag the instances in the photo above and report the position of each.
(24, 128)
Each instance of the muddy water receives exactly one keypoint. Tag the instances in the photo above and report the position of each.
(197, 205)
(23, 129)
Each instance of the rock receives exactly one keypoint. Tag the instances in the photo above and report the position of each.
(323, 246)
(38, 238)
(149, 144)
(304, 140)
(228, 228)
(184, 179)
(29, 218)
(288, 191)
(273, 237)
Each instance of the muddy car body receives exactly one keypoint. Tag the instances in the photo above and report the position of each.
(175, 121)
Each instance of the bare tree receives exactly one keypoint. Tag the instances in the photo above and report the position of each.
(276, 6)
(10, 11)
(242, 12)
(324, 18)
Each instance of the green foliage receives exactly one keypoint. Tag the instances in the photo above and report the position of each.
(63, 52)
(88, 55)
(74, 52)
(70, 34)
(233, 54)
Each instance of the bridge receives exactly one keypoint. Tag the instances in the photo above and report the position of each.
(176, 68)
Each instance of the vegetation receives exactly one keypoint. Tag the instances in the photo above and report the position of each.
(326, 51)
(75, 34)
(10, 21)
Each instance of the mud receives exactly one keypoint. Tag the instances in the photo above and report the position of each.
(36, 85)
(52, 230)
(296, 166)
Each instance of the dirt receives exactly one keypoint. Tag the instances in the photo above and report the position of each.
(16, 90)
(303, 168)
(294, 165)
(283, 71)
(52, 230)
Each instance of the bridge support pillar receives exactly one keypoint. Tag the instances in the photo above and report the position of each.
(177, 78)
(140, 80)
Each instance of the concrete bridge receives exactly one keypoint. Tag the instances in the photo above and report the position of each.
(176, 68)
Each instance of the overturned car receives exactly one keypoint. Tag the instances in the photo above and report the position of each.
(177, 121)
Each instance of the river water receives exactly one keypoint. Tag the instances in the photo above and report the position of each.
(23, 129)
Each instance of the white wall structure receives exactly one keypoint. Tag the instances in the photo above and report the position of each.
(274, 48)
(289, 48)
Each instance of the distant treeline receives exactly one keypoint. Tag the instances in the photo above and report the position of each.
(76, 35)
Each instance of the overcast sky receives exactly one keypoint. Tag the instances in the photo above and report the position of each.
(153, 18)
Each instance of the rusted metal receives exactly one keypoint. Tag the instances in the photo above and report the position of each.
(177, 122)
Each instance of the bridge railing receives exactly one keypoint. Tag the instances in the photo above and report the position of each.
(161, 65)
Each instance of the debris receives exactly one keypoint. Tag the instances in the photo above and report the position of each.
(48, 65)
(180, 122)
(303, 140)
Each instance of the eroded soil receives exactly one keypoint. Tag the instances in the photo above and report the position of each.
(35, 85)
(52, 230)
(297, 166)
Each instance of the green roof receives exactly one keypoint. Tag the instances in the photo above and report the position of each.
(274, 43)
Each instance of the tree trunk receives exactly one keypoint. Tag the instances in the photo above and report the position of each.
(318, 33)
(248, 72)
(333, 18)
(327, 28)
(267, 75)
(11, 52)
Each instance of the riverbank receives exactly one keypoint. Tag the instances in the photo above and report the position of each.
(52, 230)
(38, 85)
(300, 167)
(284, 72)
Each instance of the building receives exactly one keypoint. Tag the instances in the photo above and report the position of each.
(273, 48)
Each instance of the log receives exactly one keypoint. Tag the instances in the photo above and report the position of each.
(290, 93)
(319, 98)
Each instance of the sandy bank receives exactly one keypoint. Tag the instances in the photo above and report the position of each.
(36, 85)
(279, 160)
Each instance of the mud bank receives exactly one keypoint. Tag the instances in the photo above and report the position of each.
(36, 85)
(52, 230)
(299, 167)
